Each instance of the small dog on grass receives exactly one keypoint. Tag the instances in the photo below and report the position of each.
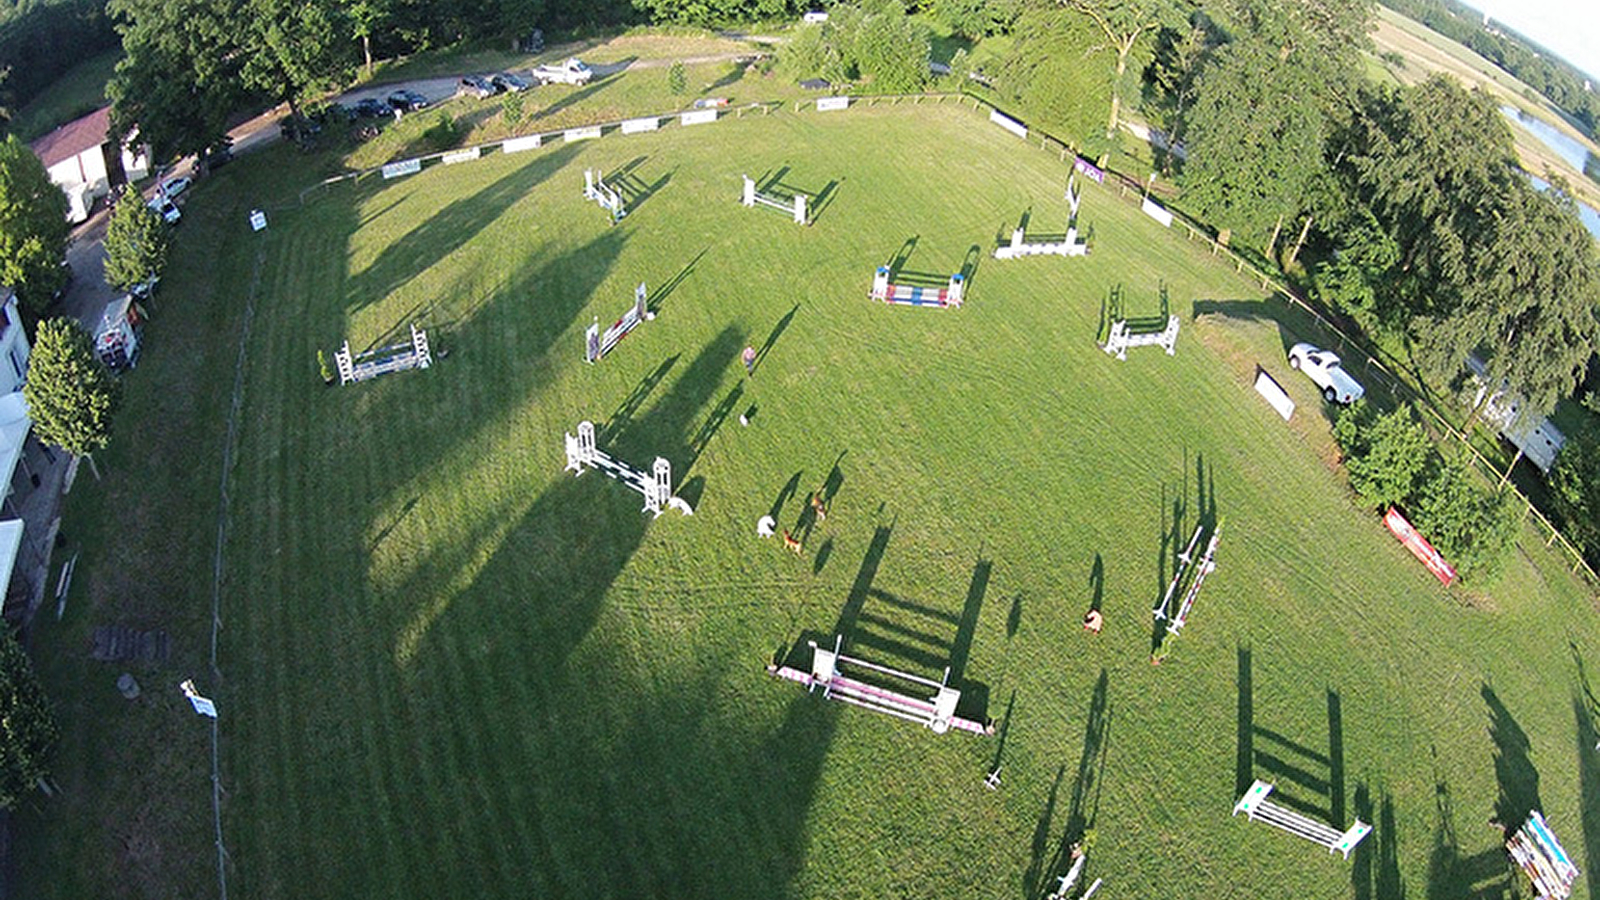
(818, 507)
(792, 543)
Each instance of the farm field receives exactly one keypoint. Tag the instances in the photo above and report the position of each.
(450, 669)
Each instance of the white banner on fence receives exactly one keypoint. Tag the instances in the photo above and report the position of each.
(460, 156)
(1089, 170)
(581, 134)
(634, 126)
(698, 117)
(517, 145)
(1154, 211)
(406, 167)
(828, 104)
(1008, 123)
(1269, 388)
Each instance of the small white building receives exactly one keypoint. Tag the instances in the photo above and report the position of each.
(1535, 436)
(83, 153)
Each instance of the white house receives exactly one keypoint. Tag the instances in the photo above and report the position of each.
(83, 153)
(13, 344)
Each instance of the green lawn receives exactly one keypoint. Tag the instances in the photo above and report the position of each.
(452, 670)
(80, 91)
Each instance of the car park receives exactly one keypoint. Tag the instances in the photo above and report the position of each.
(474, 86)
(1324, 370)
(505, 81)
(407, 101)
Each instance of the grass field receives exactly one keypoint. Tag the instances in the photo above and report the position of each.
(452, 670)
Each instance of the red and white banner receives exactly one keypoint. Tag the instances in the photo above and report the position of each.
(1419, 546)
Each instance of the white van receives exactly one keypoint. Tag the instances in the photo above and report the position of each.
(163, 205)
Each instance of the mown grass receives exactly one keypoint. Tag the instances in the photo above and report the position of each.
(452, 670)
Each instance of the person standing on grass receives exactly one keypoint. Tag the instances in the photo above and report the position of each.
(749, 357)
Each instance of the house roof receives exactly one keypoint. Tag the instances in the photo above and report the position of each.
(73, 138)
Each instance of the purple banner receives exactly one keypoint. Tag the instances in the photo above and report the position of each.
(1089, 170)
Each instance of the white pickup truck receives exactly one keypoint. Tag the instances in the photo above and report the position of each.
(573, 71)
(1323, 368)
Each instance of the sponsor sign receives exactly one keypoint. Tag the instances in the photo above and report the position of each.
(1269, 388)
(1089, 170)
(1155, 211)
(581, 134)
(258, 220)
(1419, 546)
(698, 117)
(460, 156)
(634, 126)
(1008, 123)
(404, 167)
(517, 145)
(829, 104)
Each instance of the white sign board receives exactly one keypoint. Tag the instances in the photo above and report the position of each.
(1008, 123)
(406, 167)
(1274, 394)
(634, 126)
(581, 134)
(517, 145)
(828, 104)
(258, 220)
(1155, 211)
(460, 156)
(202, 705)
(698, 117)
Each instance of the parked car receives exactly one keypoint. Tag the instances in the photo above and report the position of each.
(215, 157)
(505, 81)
(166, 208)
(407, 101)
(475, 86)
(172, 187)
(1323, 368)
(573, 71)
(371, 108)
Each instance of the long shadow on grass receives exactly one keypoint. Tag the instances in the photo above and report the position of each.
(1452, 873)
(1375, 874)
(1513, 767)
(1083, 807)
(1304, 778)
(447, 230)
(1589, 784)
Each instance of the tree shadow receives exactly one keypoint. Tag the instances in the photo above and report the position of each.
(1513, 764)
(616, 423)
(1452, 874)
(1290, 321)
(447, 230)
(1583, 711)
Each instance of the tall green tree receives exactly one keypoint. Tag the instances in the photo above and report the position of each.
(1127, 25)
(27, 724)
(1254, 139)
(295, 49)
(71, 396)
(1051, 76)
(179, 79)
(33, 226)
(136, 242)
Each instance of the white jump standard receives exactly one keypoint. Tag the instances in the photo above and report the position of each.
(597, 345)
(355, 367)
(596, 189)
(1208, 564)
(937, 712)
(1122, 338)
(656, 486)
(753, 197)
(906, 295)
(1255, 806)
(1071, 246)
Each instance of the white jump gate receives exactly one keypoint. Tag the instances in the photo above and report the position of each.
(1257, 808)
(1208, 563)
(937, 713)
(655, 486)
(596, 345)
(1122, 338)
(383, 360)
(753, 197)
(596, 189)
(1069, 247)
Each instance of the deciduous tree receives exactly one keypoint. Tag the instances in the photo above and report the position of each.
(179, 79)
(1125, 24)
(71, 396)
(136, 242)
(33, 226)
(27, 725)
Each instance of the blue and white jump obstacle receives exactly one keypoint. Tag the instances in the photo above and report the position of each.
(752, 197)
(656, 486)
(1536, 851)
(1019, 246)
(1121, 338)
(906, 295)
(596, 189)
(383, 360)
(596, 345)
(937, 712)
(1255, 806)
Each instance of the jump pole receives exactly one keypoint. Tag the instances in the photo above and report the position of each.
(753, 197)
